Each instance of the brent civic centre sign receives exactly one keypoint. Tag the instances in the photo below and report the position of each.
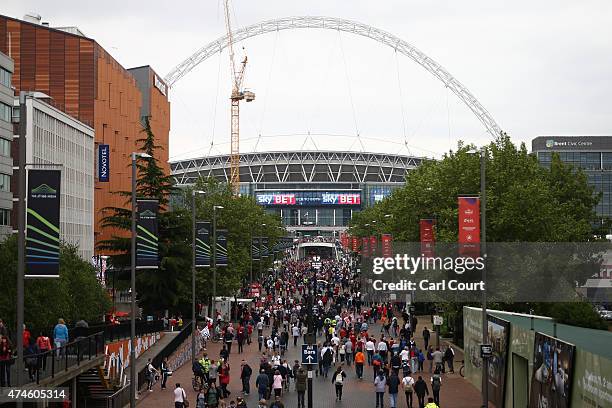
(308, 198)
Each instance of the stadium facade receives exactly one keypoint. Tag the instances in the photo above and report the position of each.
(313, 192)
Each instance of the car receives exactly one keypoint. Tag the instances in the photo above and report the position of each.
(607, 316)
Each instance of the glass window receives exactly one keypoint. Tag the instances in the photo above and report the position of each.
(5, 112)
(606, 159)
(5, 77)
(5, 148)
(5, 182)
(5, 217)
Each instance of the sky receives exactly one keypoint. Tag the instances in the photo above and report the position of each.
(539, 68)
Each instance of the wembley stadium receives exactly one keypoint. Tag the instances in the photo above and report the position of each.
(313, 192)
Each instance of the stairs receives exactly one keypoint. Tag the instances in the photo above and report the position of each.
(96, 387)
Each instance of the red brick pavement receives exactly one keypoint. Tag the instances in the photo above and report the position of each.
(456, 391)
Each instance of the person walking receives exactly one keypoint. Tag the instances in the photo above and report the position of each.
(213, 396)
(426, 337)
(165, 372)
(438, 360)
(408, 386)
(380, 382)
(44, 344)
(224, 379)
(436, 383)
(245, 376)
(179, 396)
(150, 373)
(431, 403)
(449, 356)
(301, 379)
(370, 346)
(277, 403)
(393, 383)
(262, 383)
(60, 336)
(201, 399)
(295, 331)
(359, 362)
(420, 389)
(6, 353)
(277, 383)
(348, 352)
(338, 381)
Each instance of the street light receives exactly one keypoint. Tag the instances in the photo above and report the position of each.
(133, 385)
(260, 253)
(194, 325)
(214, 259)
(483, 245)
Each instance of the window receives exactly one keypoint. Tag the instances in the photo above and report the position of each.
(5, 217)
(5, 148)
(5, 182)
(5, 77)
(5, 112)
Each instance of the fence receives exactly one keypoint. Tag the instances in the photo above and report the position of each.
(119, 399)
(52, 362)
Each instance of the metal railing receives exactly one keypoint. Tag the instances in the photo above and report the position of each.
(119, 399)
(52, 362)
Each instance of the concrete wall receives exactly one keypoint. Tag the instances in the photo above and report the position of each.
(6, 133)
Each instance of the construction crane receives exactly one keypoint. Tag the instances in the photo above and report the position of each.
(238, 94)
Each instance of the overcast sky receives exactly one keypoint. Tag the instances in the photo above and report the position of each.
(539, 67)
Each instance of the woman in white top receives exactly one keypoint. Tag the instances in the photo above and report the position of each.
(179, 396)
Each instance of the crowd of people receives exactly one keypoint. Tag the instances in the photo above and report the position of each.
(299, 299)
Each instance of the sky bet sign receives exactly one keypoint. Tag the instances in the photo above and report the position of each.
(103, 162)
(308, 198)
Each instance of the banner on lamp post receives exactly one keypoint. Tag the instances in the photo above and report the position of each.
(469, 226)
(365, 247)
(221, 248)
(373, 245)
(427, 237)
(255, 248)
(355, 244)
(43, 224)
(147, 248)
(387, 245)
(265, 251)
(203, 249)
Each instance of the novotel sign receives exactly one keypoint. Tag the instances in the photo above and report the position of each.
(103, 162)
(308, 198)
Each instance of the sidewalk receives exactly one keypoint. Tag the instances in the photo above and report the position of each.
(456, 391)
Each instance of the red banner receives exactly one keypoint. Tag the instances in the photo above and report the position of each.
(373, 245)
(344, 240)
(355, 244)
(365, 247)
(387, 245)
(428, 238)
(469, 225)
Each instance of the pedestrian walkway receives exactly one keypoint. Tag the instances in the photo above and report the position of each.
(456, 392)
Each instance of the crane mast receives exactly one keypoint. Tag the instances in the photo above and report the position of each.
(237, 95)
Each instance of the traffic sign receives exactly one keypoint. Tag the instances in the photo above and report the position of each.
(486, 350)
(438, 320)
(310, 354)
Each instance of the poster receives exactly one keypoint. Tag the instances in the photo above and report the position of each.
(469, 226)
(43, 224)
(387, 245)
(498, 337)
(255, 248)
(426, 227)
(553, 369)
(147, 255)
(202, 244)
(221, 258)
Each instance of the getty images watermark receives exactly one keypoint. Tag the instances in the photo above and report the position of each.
(403, 264)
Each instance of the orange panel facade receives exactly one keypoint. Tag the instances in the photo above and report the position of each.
(86, 82)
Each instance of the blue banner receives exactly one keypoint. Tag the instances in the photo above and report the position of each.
(103, 162)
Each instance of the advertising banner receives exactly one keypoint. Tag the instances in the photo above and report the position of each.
(221, 247)
(428, 239)
(387, 245)
(469, 226)
(103, 162)
(553, 372)
(147, 253)
(365, 247)
(202, 244)
(308, 198)
(255, 248)
(43, 224)
(265, 250)
(355, 244)
(345, 240)
(498, 338)
(373, 245)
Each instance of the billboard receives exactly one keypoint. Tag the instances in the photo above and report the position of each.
(308, 198)
(147, 252)
(103, 162)
(202, 259)
(221, 258)
(43, 224)
(498, 335)
(469, 226)
(553, 372)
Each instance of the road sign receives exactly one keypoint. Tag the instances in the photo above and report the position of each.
(438, 320)
(486, 350)
(309, 354)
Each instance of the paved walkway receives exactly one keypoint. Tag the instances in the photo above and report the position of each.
(456, 391)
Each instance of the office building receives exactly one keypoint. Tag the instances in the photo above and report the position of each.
(6, 137)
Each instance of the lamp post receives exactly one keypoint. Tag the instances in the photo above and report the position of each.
(214, 260)
(483, 251)
(260, 252)
(194, 325)
(133, 385)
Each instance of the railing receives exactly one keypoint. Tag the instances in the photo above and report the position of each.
(170, 348)
(119, 399)
(53, 362)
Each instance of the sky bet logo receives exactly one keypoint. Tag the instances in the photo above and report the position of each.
(351, 199)
(267, 199)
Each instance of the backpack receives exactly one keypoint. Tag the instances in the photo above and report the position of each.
(435, 385)
(327, 355)
(339, 379)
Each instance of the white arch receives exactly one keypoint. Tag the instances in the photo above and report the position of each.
(331, 23)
